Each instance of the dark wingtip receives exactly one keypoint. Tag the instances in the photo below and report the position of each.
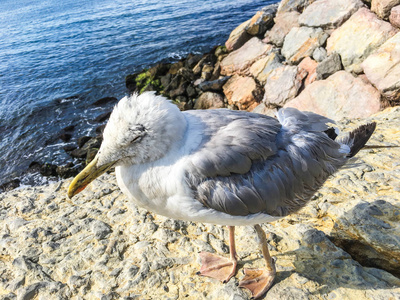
(360, 137)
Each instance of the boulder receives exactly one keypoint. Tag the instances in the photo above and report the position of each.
(207, 71)
(382, 68)
(293, 5)
(310, 66)
(238, 37)
(264, 66)
(328, 66)
(104, 101)
(282, 85)
(215, 85)
(394, 17)
(242, 92)
(284, 22)
(358, 37)
(238, 61)
(301, 42)
(329, 14)
(340, 95)
(262, 20)
(383, 7)
(209, 100)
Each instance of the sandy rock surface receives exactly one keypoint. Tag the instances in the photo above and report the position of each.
(100, 246)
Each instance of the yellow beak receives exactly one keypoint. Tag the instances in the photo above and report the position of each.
(86, 176)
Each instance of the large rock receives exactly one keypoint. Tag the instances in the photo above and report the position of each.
(242, 92)
(329, 14)
(238, 37)
(209, 100)
(358, 37)
(293, 5)
(301, 42)
(382, 7)
(262, 20)
(284, 22)
(99, 245)
(264, 66)
(394, 17)
(339, 96)
(382, 68)
(282, 85)
(238, 61)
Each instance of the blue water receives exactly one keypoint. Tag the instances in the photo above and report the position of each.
(51, 51)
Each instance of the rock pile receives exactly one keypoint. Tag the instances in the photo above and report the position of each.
(324, 56)
(344, 245)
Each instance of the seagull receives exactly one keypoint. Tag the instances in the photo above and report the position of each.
(220, 166)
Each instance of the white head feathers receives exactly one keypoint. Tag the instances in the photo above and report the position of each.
(141, 128)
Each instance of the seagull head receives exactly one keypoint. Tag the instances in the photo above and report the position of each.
(141, 129)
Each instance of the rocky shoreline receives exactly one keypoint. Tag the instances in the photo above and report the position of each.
(337, 58)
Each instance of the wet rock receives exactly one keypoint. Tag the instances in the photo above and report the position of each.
(102, 117)
(394, 17)
(340, 95)
(383, 7)
(159, 70)
(104, 101)
(237, 62)
(215, 85)
(206, 71)
(210, 59)
(293, 5)
(82, 152)
(369, 32)
(262, 20)
(242, 92)
(68, 170)
(48, 169)
(192, 60)
(329, 66)
(83, 140)
(65, 136)
(301, 42)
(238, 37)
(382, 69)
(284, 22)
(10, 185)
(209, 100)
(329, 14)
(282, 85)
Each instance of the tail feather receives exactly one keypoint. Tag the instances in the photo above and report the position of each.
(358, 138)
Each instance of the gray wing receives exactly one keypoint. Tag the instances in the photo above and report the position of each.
(249, 163)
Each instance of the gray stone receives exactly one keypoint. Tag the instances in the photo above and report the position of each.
(215, 85)
(284, 22)
(100, 229)
(209, 100)
(293, 5)
(329, 14)
(329, 66)
(301, 42)
(319, 54)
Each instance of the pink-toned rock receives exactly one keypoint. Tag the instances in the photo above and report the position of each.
(283, 23)
(301, 42)
(382, 7)
(209, 100)
(238, 61)
(282, 85)
(242, 92)
(341, 95)
(358, 37)
(329, 14)
(382, 68)
(310, 66)
(238, 37)
(394, 17)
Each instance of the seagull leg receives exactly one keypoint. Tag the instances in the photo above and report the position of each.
(259, 281)
(219, 267)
